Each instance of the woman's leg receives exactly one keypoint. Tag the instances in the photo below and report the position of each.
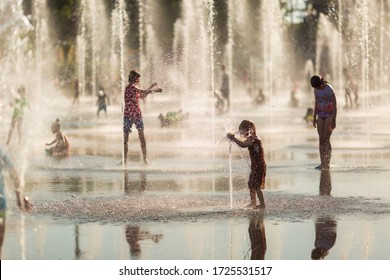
(326, 138)
(324, 132)
(320, 130)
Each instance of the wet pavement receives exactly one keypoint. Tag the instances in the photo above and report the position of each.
(180, 206)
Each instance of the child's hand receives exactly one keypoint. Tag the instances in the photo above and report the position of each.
(230, 136)
(26, 204)
(158, 90)
(153, 85)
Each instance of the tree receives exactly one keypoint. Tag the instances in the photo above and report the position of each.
(64, 18)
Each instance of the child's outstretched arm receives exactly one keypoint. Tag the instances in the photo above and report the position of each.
(333, 124)
(243, 144)
(51, 143)
(151, 89)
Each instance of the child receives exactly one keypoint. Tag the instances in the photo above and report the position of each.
(132, 112)
(23, 203)
(325, 112)
(76, 93)
(350, 87)
(308, 118)
(62, 145)
(102, 102)
(172, 118)
(258, 166)
(17, 115)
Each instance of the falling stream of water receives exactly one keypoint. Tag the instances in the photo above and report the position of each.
(122, 23)
(210, 27)
(230, 175)
(141, 36)
(230, 49)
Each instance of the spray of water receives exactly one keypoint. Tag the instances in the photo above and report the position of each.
(230, 175)
(123, 23)
(141, 30)
(230, 48)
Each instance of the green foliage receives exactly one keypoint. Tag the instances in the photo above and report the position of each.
(63, 16)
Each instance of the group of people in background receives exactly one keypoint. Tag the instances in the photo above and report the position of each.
(323, 118)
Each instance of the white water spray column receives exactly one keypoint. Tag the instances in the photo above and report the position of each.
(141, 30)
(340, 46)
(230, 175)
(122, 24)
(230, 49)
(210, 28)
(82, 49)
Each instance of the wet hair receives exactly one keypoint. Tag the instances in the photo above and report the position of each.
(316, 81)
(247, 125)
(133, 76)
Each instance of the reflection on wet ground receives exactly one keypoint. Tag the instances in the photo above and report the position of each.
(88, 206)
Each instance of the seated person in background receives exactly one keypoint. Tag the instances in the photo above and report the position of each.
(172, 118)
(61, 147)
(260, 98)
(308, 118)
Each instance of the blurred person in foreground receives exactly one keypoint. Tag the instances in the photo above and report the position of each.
(22, 201)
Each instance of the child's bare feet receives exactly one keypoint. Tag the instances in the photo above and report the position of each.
(325, 167)
(260, 206)
(251, 205)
